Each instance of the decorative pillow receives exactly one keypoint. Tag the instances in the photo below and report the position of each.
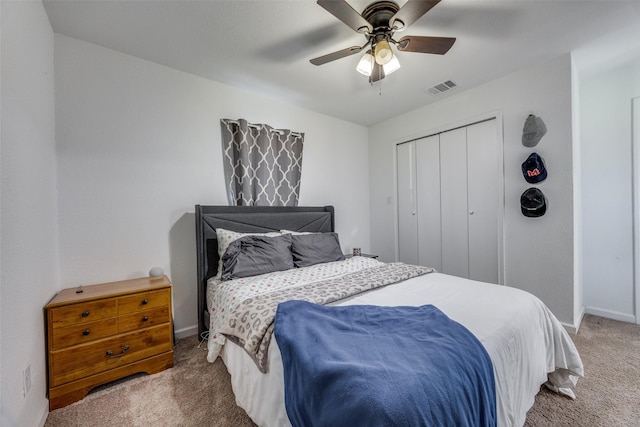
(315, 248)
(296, 232)
(225, 237)
(254, 255)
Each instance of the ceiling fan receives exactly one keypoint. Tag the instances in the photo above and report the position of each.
(378, 23)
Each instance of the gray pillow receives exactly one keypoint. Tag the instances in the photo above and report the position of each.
(253, 255)
(315, 248)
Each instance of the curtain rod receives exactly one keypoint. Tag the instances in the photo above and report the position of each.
(251, 125)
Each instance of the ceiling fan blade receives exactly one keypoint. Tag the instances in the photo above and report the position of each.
(344, 12)
(336, 55)
(377, 73)
(411, 12)
(436, 45)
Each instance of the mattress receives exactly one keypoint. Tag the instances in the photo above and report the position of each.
(527, 344)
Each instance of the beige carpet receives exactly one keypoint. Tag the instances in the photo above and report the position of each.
(197, 393)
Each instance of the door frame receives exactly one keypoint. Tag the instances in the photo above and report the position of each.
(498, 116)
(635, 185)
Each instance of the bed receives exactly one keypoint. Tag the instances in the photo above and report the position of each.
(525, 344)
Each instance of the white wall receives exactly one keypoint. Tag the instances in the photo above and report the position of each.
(607, 190)
(139, 145)
(538, 251)
(29, 272)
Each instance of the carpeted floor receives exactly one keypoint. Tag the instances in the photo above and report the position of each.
(609, 395)
(197, 393)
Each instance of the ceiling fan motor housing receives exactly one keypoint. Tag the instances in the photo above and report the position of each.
(379, 13)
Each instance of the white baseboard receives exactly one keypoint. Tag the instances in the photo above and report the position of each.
(44, 413)
(629, 318)
(186, 332)
(573, 329)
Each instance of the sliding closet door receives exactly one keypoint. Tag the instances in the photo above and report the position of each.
(428, 202)
(448, 207)
(482, 193)
(453, 196)
(407, 214)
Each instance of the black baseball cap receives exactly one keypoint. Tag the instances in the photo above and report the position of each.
(533, 202)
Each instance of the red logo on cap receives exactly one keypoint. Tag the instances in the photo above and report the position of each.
(534, 172)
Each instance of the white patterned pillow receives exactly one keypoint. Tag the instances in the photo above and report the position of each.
(225, 237)
(296, 232)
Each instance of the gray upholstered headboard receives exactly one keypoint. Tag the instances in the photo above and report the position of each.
(247, 219)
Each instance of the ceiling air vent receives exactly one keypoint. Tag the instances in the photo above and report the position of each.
(442, 87)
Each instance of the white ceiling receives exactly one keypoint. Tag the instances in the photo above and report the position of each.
(264, 45)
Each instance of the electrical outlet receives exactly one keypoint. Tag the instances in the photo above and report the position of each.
(26, 380)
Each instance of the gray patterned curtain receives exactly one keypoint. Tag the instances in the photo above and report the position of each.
(262, 165)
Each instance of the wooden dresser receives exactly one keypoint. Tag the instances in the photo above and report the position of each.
(106, 332)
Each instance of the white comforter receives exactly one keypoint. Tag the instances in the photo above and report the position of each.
(527, 344)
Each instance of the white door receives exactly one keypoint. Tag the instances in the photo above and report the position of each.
(407, 214)
(453, 196)
(482, 193)
(428, 201)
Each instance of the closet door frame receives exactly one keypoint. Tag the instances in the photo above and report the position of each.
(498, 116)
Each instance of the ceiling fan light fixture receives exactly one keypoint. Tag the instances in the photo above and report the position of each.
(383, 52)
(366, 64)
(391, 66)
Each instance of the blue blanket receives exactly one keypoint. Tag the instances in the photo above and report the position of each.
(367, 365)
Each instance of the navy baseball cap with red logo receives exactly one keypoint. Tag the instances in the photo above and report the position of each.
(533, 169)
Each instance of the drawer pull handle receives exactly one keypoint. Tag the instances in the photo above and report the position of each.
(86, 332)
(145, 318)
(113, 356)
(85, 314)
(145, 302)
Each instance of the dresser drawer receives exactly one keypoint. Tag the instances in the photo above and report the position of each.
(83, 312)
(84, 332)
(143, 301)
(87, 359)
(143, 319)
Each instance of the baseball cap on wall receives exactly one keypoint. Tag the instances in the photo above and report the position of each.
(533, 131)
(533, 203)
(534, 169)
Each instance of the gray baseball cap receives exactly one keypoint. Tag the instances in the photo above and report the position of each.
(533, 131)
